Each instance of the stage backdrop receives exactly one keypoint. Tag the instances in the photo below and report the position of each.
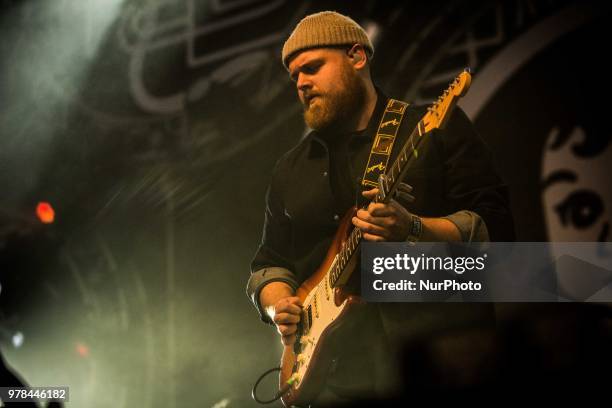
(151, 128)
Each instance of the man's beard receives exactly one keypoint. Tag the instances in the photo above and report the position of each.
(334, 111)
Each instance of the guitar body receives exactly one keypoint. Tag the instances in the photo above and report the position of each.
(326, 317)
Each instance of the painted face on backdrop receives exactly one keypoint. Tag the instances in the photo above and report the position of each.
(577, 192)
(328, 87)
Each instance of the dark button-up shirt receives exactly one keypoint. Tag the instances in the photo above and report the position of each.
(453, 177)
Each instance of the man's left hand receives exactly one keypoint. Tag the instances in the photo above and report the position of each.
(383, 222)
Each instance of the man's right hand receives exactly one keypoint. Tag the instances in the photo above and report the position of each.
(283, 308)
(287, 312)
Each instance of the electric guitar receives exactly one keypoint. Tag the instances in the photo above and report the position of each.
(327, 303)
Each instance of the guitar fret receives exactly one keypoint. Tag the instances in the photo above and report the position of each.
(396, 168)
(346, 252)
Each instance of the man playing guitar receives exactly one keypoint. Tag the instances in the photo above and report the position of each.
(457, 197)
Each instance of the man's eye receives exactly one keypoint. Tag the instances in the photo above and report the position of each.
(581, 208)
(311, 69)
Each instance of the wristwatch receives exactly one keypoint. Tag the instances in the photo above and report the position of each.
(416, 229)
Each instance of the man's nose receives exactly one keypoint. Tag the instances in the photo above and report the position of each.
(303, 82)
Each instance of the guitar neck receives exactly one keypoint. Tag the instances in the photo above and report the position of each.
(398, 170)
(350, 246)
(409, 151)
(436, 118)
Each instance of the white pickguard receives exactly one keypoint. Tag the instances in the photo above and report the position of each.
(324, 311)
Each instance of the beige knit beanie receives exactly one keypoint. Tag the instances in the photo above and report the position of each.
(323, 29)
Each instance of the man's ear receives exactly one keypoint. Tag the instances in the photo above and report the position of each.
(357, 55)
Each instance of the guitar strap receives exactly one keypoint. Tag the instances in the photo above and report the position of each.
(383, 142)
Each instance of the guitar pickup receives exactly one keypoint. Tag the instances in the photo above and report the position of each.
(309, 316)
(306, 320)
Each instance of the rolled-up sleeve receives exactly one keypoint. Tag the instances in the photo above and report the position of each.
(261, 278)
(273, 259)
(473, 184)
(470, 225)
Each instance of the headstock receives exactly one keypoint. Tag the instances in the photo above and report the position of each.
(439, 112)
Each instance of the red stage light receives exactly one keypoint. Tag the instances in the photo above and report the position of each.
(82, 350)
(45, 212)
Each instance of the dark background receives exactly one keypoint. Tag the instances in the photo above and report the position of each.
(152, 128)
